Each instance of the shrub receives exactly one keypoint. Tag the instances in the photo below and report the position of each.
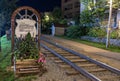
(77, 31)
(87, 18)
(115, 34)
(97, 32)
(27, 48)
(63, 21)
(6, 75)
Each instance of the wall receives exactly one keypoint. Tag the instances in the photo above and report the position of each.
(115, 42)
(59, 31)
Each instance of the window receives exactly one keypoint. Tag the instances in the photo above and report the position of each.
(68, 7)
(65, 1)
(77, 4)
(77, 12)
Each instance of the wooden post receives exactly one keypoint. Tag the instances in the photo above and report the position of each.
(39, 28)
(13, 32)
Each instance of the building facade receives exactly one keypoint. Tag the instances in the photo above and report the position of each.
(70, 8)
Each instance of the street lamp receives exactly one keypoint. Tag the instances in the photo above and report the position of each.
(109, 25)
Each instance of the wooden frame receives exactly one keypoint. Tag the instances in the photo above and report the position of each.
(15, 13)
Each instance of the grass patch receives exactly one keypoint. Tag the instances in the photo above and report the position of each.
(98, 45)
(6, 76)
(5, 60)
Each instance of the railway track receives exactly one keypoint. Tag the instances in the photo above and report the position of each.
(78, 64)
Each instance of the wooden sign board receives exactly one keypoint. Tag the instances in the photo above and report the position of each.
(24, 26)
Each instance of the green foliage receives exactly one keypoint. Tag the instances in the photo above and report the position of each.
(5, 54)
(76, 18)
(76, 31)
(115, 34)
(5, 44)
(93, 12)
(46, 22)
(6, 10)
(6, 75)
(86, 18)
(27, 48)
(63, 21)
(56, 13)
(116, 4)
(101, 9)
(86, 2)
(97, 32)
(6, 62)
(6, 47)
(54, 17)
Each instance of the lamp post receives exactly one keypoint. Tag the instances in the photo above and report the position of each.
(109, 25)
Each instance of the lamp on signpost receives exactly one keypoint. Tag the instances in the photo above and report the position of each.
(109, 25)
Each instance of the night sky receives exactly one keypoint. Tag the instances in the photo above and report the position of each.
(41, 5)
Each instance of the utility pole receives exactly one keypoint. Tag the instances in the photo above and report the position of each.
(109, 25)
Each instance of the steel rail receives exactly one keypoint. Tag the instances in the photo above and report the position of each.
(79, 69)
(117, 71)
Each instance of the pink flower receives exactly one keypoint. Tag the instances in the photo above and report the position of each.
(41, 59)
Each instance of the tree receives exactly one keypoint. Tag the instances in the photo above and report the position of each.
(116, 4)
(96, 10)
(47, 20)
(86, 3)
(86, 18)
(101, 6)
(53, 17)
(100, 10)
(6, 9)
(56, 13)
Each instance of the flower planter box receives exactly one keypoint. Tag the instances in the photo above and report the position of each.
(27, 66)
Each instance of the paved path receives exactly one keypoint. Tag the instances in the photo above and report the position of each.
(90, 49)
